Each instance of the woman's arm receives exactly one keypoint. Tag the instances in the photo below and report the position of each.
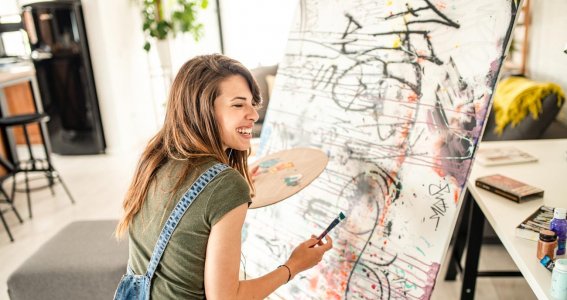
(223, 261)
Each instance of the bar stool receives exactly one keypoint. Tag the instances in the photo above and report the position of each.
(33, 164)
(6, 199)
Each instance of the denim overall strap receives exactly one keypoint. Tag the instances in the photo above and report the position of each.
(178, 212)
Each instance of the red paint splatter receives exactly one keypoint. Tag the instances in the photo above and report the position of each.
(412, 97)
(441, 5)
(313, 282)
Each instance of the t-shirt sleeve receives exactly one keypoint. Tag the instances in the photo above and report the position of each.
(228, 191)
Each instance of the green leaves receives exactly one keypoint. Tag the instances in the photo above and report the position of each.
(183, 18)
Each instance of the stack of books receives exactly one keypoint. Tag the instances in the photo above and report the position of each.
(530, 227)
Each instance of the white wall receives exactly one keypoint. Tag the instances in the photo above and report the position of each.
(8, 7)
(548, 37)
(256, 31)
(120, 71)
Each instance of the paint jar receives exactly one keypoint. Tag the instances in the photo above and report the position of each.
(559, 280)
(559, 226)
(547, 244)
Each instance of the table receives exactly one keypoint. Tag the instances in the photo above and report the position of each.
(550, 174)
(10, 75)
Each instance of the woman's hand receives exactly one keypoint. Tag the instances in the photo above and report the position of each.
(254, 172)
(308, 254)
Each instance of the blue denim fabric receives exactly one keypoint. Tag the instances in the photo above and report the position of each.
(133, 286)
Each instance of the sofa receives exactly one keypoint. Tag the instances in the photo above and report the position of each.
(265, 77)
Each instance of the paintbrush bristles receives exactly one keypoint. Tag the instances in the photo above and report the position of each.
(342, 216)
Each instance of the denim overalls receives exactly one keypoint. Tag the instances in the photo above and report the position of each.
(134, 286)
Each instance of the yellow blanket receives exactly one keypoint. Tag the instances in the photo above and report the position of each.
(515, 97)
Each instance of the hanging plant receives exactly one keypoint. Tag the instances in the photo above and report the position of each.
(162, 19)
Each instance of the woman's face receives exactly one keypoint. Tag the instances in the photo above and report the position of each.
(235, 113)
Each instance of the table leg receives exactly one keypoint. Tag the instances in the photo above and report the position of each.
(473, 252)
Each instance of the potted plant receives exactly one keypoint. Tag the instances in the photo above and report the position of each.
(164, 18)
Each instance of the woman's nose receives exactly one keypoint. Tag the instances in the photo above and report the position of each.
(253, 114)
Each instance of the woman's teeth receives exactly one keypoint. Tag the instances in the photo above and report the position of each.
(244, 130)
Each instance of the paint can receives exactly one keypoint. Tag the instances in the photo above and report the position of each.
(559, 280)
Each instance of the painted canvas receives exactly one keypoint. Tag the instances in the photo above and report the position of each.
(396, 94)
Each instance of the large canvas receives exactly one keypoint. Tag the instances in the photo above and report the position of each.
(396, 93)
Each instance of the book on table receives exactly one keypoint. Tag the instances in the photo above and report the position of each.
(503, 156)
(530, 227)
(509, 188)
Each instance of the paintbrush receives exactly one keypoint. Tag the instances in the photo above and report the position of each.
(335, 222)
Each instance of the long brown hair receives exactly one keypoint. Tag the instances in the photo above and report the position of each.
(190, 130)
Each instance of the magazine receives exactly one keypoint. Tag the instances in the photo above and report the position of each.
(530, 227)
(503, 156)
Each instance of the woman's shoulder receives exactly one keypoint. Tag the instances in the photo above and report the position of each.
(226, 192)
(231, 179)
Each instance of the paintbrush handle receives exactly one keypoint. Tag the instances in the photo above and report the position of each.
(329, 228)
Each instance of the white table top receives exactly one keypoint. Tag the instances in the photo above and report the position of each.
(550, 174)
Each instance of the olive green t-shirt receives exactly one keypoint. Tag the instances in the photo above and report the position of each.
(180, 273)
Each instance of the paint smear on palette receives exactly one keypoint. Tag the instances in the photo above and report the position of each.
(273, 168)
(282, 166)
(269, 163)
(293, 180)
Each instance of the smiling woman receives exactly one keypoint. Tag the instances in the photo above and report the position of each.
(195, 171)
(235, 111)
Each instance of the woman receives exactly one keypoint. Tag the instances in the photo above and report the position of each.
(210, 114)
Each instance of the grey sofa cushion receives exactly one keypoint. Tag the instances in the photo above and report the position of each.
(82, 261)
(556, 130)
(528, 128)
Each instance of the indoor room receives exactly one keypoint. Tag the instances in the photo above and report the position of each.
(402, 149)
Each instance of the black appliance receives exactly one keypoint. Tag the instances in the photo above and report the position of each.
(60, 53)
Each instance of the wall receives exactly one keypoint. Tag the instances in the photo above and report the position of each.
(548, 38)
(120, 71)
(8, 7)
(256, 31)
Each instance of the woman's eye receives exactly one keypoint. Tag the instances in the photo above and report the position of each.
(238, 105)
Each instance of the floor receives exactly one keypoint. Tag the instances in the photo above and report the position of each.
(98, 184)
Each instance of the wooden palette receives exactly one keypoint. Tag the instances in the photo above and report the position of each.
(284, 173)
